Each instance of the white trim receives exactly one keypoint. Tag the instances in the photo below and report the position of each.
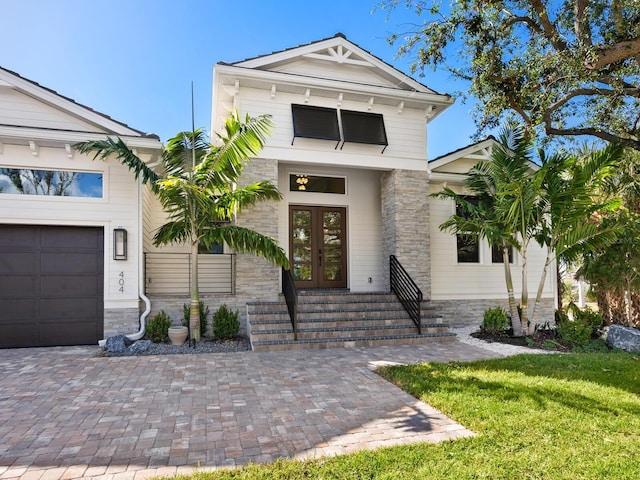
(304, 82)
(62, 137)
(468, 152)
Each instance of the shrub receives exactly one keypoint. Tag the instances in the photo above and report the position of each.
(575, 332)
(225, 323)
(578, 332)
(204, 313)
(495, 320)
(157, 327)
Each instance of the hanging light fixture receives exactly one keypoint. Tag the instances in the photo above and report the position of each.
(302, 181)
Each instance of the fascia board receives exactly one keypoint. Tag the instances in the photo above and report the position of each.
(337, 85)
(23, 134)
(460, 154)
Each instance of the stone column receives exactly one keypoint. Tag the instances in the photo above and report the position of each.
(405, 224)
(257, 279)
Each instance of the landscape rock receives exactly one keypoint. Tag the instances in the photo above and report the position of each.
(624, 338)
(117, 344)
(140, 346)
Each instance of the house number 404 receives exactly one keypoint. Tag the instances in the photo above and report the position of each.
(121, 282)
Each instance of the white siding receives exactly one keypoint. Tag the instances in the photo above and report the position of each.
(117, 208)
(364, 223)
(451, 280)
(406, 134)
(21, 110)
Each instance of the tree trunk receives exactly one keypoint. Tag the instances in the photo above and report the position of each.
(543, 279)
(513, 309)
(194, 307)
(524, 296)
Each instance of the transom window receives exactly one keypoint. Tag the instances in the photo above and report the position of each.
(316, 184)
(59, 183)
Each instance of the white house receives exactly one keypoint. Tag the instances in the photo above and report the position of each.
(349, 155)
(61, 282)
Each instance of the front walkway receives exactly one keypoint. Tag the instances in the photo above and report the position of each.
(67, 414)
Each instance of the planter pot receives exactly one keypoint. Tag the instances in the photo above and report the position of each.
(178, 335)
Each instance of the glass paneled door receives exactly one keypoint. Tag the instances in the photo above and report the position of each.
(318, 246)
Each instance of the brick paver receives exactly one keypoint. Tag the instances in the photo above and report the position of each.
(65, 413)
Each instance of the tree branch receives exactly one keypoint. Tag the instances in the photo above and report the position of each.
(631, 141)
(549, 29)
(614, 53)
(581, 24)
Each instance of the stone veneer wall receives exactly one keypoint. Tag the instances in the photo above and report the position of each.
(461, 313)
(256, 278)
(405, 224)
(121, 320)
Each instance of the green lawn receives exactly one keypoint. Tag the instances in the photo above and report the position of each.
(571, 416)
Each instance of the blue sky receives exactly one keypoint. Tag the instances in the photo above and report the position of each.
(135, 59)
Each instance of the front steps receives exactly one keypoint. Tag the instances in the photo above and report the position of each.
(336, 319)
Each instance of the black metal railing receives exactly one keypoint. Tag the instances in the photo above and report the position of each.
(406, 290)
(291, 297)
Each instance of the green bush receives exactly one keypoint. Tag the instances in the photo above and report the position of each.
(157, 328)
(225, 323)
(495, 320)
(579, 331)
(204, 313)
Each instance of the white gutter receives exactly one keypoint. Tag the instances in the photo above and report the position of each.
(138, 335)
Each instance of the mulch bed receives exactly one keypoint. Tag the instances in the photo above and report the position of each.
(541, 340)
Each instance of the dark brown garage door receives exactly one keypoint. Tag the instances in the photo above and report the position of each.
(51, 285)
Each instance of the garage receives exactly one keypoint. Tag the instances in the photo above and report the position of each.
(51, 285)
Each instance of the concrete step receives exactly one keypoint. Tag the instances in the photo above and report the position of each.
(363, 331)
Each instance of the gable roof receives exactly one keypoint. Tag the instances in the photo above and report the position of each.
(331, 67)
(30, 111)
(337, 49)
(480, 150)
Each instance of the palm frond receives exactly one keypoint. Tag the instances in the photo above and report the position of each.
(105, 149)
(244, 240)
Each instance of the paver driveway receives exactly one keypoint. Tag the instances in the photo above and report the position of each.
(67, 414)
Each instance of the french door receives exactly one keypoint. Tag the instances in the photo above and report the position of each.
(318, 246)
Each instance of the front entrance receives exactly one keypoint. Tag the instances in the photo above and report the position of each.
(318, 246)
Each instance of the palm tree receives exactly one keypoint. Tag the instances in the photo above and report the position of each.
(572, 206)
(503, 210)
(197, 189)
(516, 203)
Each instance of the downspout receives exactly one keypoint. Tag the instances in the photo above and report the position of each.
(140, 333)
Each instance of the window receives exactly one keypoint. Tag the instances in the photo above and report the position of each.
(496, 254)
(24, 181)
(312, 183)
(468, 246)
(216, 249)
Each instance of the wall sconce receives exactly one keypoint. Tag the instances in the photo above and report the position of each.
(119, 244)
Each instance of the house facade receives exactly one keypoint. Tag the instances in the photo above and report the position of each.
(348, 152)
(469, 275)
(60, 283)
(349, 155)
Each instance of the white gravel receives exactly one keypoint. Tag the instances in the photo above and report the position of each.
(464, 335)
